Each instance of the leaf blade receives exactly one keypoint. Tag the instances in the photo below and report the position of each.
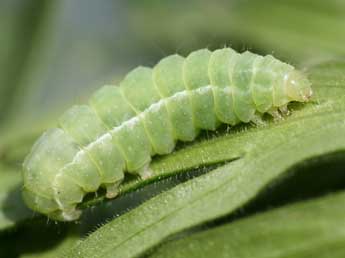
(306, 229)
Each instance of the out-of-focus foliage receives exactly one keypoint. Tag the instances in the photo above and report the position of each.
(54, 53)
(19, 21)
(302, 31)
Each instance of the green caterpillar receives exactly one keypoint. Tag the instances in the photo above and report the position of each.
(123, 127)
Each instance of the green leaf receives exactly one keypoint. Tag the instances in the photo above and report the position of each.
(313, 228)
(59, 248)
(12, 208)
(38, 239)
(267, 153)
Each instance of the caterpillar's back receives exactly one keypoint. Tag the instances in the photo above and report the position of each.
(122, 127)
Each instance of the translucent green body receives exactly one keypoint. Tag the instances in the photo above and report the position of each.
(123, 127)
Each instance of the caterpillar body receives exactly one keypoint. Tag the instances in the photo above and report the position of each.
(122, 127)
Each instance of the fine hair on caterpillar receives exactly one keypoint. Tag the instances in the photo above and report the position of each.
(121, 128)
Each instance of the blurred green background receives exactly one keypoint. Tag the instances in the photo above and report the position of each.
(55, 53)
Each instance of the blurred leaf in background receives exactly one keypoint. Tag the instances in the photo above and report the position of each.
(299, 31)
(19, 22)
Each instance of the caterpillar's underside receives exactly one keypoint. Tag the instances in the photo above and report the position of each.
(123, 127)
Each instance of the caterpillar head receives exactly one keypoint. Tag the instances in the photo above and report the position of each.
(298, 87)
